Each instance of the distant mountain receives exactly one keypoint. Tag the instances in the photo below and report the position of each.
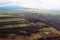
(21, 9)
(11, 8)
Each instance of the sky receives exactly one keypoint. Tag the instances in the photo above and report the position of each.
(38, 4)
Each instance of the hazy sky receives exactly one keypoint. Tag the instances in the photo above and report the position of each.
(38, 4)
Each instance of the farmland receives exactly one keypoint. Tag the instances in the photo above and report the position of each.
(28, 26)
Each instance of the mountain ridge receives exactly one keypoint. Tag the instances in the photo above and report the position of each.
(11, 7)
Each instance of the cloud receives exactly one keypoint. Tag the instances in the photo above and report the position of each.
(7, 3)
(2, 2)
(38, 4)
